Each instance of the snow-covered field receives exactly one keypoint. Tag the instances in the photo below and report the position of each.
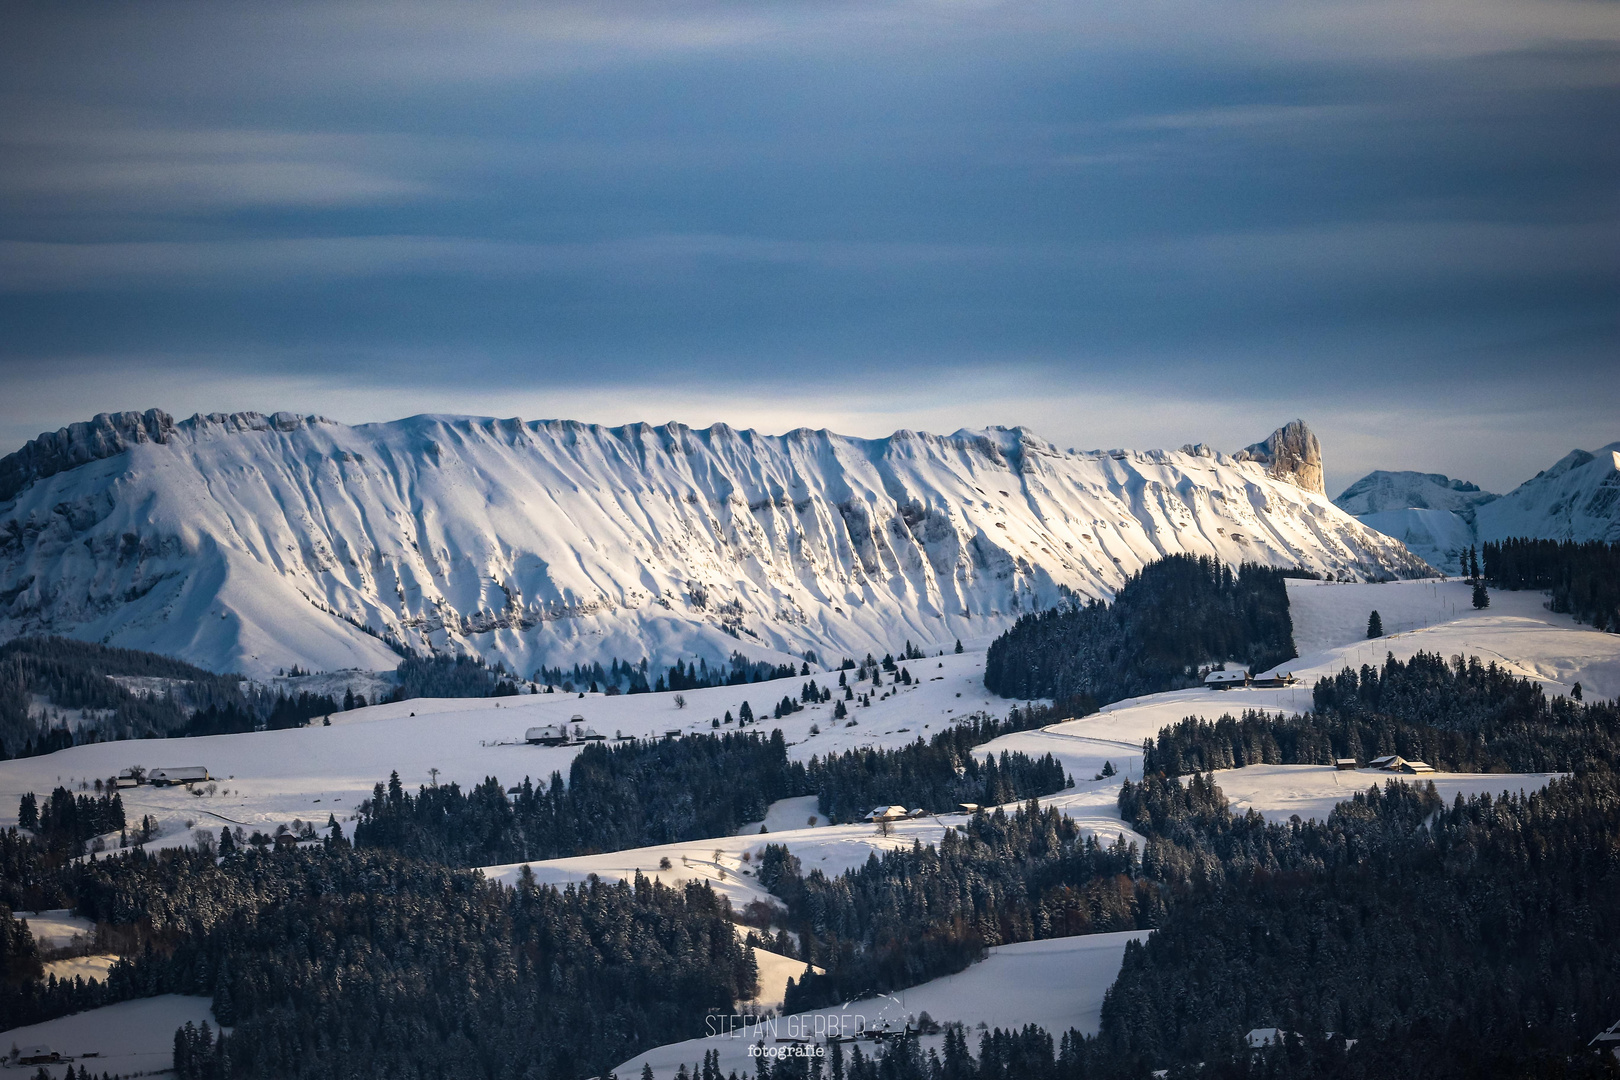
(832, 849)
(87, 968)
(1057, 984)
(57, 928)
(128, 1039)
(268, 778)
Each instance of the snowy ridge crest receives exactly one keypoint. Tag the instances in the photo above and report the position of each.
(249, 541)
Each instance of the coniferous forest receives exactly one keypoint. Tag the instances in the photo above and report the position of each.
(1176, 616)
(1582, 578)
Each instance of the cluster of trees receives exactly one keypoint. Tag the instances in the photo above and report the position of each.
(641, 793)
(79, 676)
(452, 677)
(1461, 716)
(1484, 929)
(1176, 616)
(66, 820)
(665, 791)
(936, 776)
(1584, 578)
(1463, 939)
(627, 677)
(698, 675)
(282, 711)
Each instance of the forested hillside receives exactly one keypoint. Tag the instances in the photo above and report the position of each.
(75, 675)
(1176, 616)
(407, 967)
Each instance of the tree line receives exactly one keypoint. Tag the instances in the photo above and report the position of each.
(1583, 578)
(1166, 625)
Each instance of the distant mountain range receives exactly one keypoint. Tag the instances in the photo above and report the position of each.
(1437, 517)
(253, 542)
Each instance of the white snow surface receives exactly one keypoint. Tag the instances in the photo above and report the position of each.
(56, 929)
(1057, 983)
(89, 968)
(1439, 518)
(130, 1038)
(774, 972)
(251, 543)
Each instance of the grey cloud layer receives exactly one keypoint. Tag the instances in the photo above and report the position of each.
(1330, 202)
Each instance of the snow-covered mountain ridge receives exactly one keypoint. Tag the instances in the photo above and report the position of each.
(1578, 498)
(254, 542)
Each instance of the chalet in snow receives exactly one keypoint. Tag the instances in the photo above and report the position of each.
(1231, 678)
(178, 774)
(560, 735)
(1396, 764)
(38, 1055)
(1226, 678)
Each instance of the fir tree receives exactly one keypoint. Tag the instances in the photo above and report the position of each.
(28, 812)
(1375, 625)
(1482, 596)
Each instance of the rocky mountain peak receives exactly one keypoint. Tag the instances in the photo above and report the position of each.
(1291, 453)
(78, 444)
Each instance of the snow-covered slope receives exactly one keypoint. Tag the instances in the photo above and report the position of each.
(1381, 492)
(1438, 518)
(1433, 515)
(250, 542)
(1576, 499)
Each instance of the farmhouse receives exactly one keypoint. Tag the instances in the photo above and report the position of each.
(178, 774)
(1385, 762)
(1345, 763)
(886, 813)
(1412, 768)
(1226, 678)
(547, 735)
(38, 1055)
(1276, 679)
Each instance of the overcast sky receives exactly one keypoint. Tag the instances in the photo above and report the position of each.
(1119, 222)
